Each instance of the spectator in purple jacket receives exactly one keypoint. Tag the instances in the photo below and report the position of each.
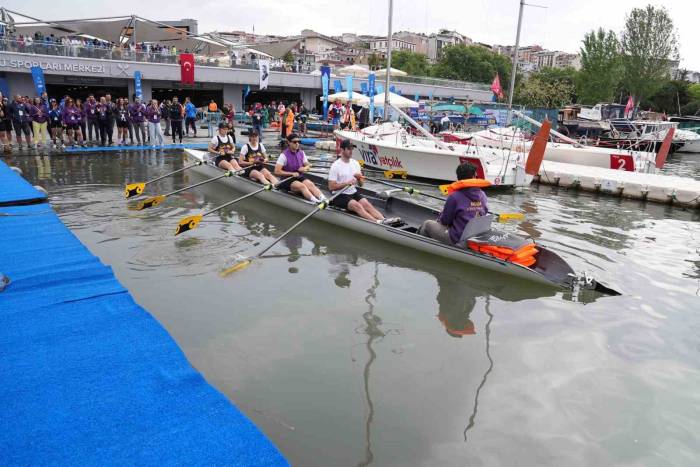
(72, 117)
(137, 117)
(91, 116)
(39, 112)
(155, 132)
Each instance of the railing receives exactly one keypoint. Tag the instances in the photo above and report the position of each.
(166, 56)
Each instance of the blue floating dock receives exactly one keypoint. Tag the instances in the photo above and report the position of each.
(88, 376)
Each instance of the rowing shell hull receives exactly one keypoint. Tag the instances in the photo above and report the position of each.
(383, 232)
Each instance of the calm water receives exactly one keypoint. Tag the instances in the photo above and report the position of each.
(349, 351)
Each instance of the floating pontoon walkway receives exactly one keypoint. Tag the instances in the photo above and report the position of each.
(88, 376)
(680, 191)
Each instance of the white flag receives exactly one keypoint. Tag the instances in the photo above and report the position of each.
(264, 73)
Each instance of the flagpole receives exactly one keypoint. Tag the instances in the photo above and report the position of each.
(388, 62)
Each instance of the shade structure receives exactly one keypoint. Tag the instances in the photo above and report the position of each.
(392, 72)
(353, 70)
(395, 100)
(357, 98)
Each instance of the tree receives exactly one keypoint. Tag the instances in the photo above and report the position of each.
(649, 48)
(472, 63)
(601, 67)
(374, 61)
(414, 64)
(669, 98)
(549, 88)
(288, 57)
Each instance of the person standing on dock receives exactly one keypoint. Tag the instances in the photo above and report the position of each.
(91, 117)
(256, 118)
(72, 117)
(40, 117)
(465, 202)
(190, 118)
(55, 124)
(165, 115)
(223, 149)
(155, 131)
(104, 117)
(5, 126)
(112, 116)
(21, 121)
(121, 114)
(176, 113)
(137, 115)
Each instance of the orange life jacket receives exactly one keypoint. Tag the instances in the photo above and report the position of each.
(467, 183)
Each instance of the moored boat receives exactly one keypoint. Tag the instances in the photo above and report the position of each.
(549, 269)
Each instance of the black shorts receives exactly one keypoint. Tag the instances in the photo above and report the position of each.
(73, 126)
(22, 127)
(5, 125)
(287, 184)
(341, 201)
(249, 169)
(225, 157)
(53, 124)
(121, 124)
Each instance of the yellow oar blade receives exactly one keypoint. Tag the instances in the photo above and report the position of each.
(188, 223)
(134, 189)
(150, 202)
(394, 173)
(444, 189)
(236, 267)
(511, 216)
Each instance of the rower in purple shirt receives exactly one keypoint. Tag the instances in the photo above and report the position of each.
(137, 116)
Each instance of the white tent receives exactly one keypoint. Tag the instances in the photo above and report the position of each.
(395, 100)
(393, 72)
(353, 70)
(357, 98)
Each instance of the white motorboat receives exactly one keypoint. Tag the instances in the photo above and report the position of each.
(512, 137)
(690, 140)
(388, 146)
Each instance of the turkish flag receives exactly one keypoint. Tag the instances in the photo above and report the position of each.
(187, 68)
(629, 107)
(496, 87)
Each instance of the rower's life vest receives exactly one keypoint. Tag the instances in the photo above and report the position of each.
(254, 155)
(226, 144)
(467, 183)
(506, 246)
(295, 160)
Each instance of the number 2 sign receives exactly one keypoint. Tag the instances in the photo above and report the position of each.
(622, 162)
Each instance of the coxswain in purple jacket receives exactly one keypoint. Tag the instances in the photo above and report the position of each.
(39, 113)
(72, 115)
(463, 205)
(153, 114)
(137, 112)
(90, 107)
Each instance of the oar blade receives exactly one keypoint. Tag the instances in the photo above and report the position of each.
(444, 189)
(236, 267)
(134, 189)
(188, 223)
(150, 202)
(511, 216)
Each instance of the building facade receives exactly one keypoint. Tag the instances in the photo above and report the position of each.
(437, 42)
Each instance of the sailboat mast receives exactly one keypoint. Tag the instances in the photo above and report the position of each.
(514, 69)
(388, 61)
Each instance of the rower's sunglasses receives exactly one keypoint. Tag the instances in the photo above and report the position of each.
(296, 141)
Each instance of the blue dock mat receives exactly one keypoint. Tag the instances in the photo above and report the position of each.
(14, 190)
(135, 148)
(88, 376)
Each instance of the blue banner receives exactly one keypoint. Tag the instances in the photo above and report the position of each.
(370, 86)
(363, 88)
(337, 86)
(137, 84)
(348, 84)
(325, 81)
(38, 77)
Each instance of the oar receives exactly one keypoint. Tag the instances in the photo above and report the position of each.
(156, 200)
(191, 222)
(135, 189)
(246, 262)
(408, 189)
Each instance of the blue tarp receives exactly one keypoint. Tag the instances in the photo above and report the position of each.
(88, 376)
(15, 190)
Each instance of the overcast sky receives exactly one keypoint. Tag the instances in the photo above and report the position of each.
(560, 26)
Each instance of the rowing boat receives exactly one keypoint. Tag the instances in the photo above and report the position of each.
(550, 269)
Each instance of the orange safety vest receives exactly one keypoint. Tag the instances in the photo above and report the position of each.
(289, 123)
(467, 183)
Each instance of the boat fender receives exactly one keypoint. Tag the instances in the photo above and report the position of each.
(466, 183)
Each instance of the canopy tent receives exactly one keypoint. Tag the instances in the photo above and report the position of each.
(395, 100)
(353, 70)
(318, 73)
(392, 72)
(123, 29)
(357, 98)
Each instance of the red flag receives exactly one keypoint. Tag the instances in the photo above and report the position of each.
(629, 107)
(187, 68)
(496, 87)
